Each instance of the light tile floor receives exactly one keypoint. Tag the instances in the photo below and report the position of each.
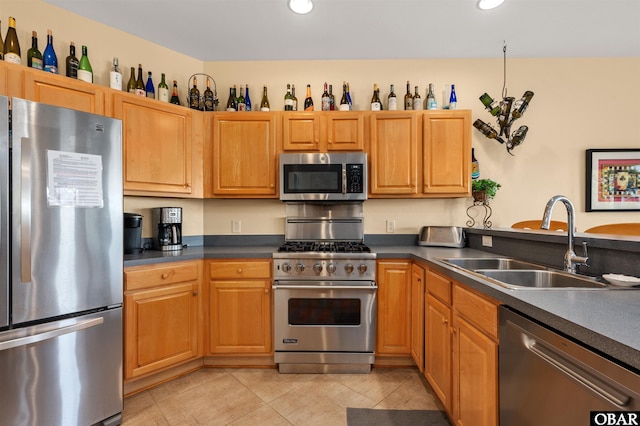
(264, 397)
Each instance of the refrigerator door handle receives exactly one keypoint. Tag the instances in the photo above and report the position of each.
(25, 210)
(51, 334)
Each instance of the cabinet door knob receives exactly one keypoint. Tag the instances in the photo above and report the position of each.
(195, 293)
(445, 321)
(165, 276)
(266, 291)
(239, 270)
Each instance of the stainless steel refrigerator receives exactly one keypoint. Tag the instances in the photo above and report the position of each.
(61, 265)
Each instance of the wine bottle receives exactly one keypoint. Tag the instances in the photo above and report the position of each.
(408, 99)
(149, 88)
(34, 57)
(392, 104)
(288, 99)
(293, 95)
(475, 166)
(308, 100)
(247, 99)
(417, 101)
(1, 46)
(492, 106)
(242, 106)
(85, 72)
(349, 97)
(487, 130)
(231, 102)
(326, 100)
(139, 83)
(332, 99)
(453, 99)
(209, 98)
(11, 44)
(194, 95)
(175, 98)
(522, 104)
(163, 90)
(115, 76)
(50, 60)
(72, 62)
(375, 99)
(131, 85)
(431, 98)
(344, 101)
(264, 103)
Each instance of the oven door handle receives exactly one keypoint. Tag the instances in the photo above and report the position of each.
(324, 287)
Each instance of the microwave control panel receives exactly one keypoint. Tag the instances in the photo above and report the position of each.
(355, 178)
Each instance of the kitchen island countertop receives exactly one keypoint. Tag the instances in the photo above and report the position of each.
(605, 320)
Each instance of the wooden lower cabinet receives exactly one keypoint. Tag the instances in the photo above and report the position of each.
(394, 308)
(461, 350)
(161, 317)
(417, 315)
(240, 307)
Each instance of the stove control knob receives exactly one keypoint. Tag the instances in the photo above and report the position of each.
(362, 268)
(348, 268)
(331, 268)
(317, 268)
(286, 267)
(300, 267)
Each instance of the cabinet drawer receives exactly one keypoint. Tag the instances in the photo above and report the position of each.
(479, 311)
(439, 286)
(239, 269)
(155, 275)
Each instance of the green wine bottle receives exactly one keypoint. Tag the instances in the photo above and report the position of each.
(85, 72)
(264, 103)
(131, 85)
(34, 57)
(139, 83)
(163, 90)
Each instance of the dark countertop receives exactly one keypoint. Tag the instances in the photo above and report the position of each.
(605, 320)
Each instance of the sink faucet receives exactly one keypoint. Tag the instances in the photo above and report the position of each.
(571, 260)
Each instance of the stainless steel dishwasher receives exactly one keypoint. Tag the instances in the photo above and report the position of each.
(547, 379)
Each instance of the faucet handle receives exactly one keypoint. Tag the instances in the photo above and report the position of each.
(585, 255)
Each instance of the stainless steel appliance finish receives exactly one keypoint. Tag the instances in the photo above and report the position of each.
(61, 338)
(441, 236)
(336, 176)
(548, 379)
(324, 292)
(166, 225)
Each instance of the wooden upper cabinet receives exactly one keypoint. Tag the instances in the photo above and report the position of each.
(244, 155)
(323, 131)
(300, 131)
(157, 146)
(446, 154)
(11, 79)
(393, 151)
(64, 92)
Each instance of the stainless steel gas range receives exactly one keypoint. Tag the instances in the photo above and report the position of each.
(324, 291)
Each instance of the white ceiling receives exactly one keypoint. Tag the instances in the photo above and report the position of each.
(227, 30)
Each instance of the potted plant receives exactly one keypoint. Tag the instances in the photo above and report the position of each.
(484, 189)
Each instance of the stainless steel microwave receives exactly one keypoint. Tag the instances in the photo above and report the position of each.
(340, 176)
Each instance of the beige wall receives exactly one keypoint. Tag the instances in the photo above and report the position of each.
(579, 103)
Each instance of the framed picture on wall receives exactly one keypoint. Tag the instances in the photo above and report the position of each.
(613, 180)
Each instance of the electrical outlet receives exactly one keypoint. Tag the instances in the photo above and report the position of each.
(487, 241)
(235, 226)
(391, 225)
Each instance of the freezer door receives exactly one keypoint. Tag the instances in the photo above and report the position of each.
(66, 211)
(64, 372)
(4, 212)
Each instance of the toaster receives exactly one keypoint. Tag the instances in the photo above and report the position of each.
(441, 236)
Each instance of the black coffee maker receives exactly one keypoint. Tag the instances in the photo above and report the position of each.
(167, 228)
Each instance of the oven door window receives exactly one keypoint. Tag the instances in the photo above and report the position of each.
(312, 178)
(309, 311)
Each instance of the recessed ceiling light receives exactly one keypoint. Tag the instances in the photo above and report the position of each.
(489, 4)
(301, 6)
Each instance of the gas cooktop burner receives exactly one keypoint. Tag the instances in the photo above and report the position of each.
(324, 247)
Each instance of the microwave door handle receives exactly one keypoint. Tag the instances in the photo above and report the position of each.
(344, 181)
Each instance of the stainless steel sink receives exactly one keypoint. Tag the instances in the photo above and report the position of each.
(473, 263)
(540, 279)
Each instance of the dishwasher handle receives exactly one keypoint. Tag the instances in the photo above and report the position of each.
(603, 389)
